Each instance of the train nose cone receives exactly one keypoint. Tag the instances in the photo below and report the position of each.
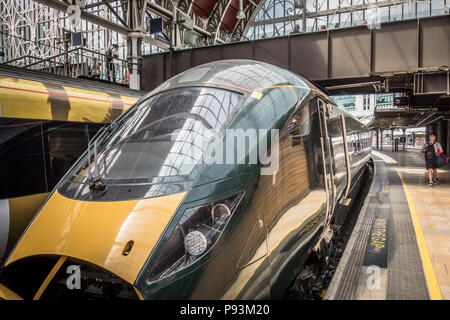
(117, 236)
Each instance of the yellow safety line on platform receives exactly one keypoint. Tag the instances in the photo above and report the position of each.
(430, 276)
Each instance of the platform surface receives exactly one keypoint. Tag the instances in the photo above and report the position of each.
(400, 246)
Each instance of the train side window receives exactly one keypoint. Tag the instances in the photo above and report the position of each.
(293, 131)
(353, 138)
(22, 161)
(40, 152)
(65, 142)
(299, 126)
(305, 121)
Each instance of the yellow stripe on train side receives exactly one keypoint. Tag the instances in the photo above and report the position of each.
(96, 106)
(23, 99)
(26, 99)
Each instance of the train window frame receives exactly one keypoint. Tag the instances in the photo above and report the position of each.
(305, 120)
(305, 125)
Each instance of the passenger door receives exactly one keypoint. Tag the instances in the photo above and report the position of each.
(327, 157)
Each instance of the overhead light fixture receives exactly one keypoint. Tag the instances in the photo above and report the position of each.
(241, 15)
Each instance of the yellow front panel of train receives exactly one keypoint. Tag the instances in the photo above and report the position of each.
(98, 232)
(7, 294)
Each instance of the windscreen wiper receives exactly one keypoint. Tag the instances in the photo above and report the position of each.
(95, 184)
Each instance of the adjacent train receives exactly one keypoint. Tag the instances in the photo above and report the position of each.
(168, 201)
(45, 124)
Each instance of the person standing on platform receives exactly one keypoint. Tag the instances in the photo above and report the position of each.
(430, 149)
(111, 54)
(95, 68)
(296, 29)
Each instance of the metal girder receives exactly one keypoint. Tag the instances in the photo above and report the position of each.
(212, 24)
(106, 3)
(327, 12)
(223, 12)
(157, 9)
(389, 55)
(215, 19)
(242, 26)
(185, 5)
(62, 6)
(134, 11)
(97, 4)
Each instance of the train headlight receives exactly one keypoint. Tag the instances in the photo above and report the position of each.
(195, 243)
(220, 213)
(198, 230)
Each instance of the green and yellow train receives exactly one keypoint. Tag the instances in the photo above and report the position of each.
(157, 208)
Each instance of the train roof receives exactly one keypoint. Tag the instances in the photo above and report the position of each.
(79, 83)
(244, 76)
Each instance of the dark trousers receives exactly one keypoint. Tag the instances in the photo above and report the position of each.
(430, 164)
(111, 71)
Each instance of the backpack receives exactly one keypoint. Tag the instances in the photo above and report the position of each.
(430, 154)
(108, 54)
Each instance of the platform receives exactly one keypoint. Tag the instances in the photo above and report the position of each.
(400, 246)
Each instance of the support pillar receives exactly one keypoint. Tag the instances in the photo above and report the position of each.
(377, 137)
(414, 139)
(448, 138)
(392, 139)
(304, 19)
(134, 58)
(381, 136)
(404, 142)
(440, 136)
(135, 18)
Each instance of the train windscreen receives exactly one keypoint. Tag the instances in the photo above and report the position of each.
(155, 149)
